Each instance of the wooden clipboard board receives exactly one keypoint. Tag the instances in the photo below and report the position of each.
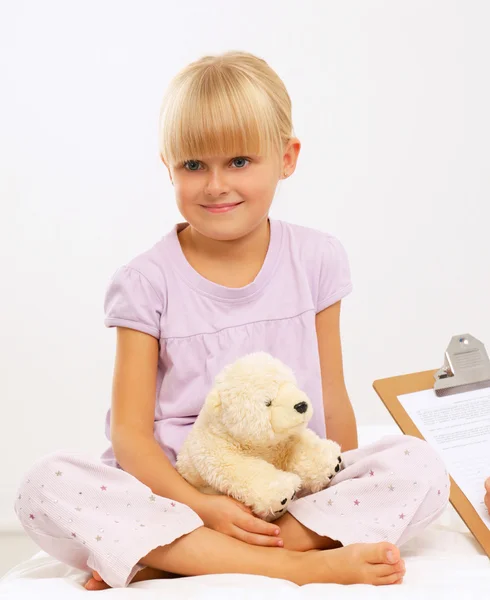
(389, 390)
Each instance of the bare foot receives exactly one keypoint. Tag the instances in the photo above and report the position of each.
(97, 583)
(356, 563)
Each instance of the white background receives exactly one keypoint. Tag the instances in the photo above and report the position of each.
(390, 100)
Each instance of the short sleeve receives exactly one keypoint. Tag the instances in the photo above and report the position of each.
(334, 274)
(131, 301)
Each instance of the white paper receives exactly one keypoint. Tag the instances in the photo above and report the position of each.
(458, 428)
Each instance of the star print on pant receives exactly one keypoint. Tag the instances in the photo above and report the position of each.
(93, 516)
(384, 490)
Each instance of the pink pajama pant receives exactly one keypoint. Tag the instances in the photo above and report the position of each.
(93, 516)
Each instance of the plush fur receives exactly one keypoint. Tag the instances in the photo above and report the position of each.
(251, 440)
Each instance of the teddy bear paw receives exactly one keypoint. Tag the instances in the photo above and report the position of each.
(274, 503)
(327, 464)
(338, 467)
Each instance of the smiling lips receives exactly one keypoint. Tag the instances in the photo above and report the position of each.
(221, 208)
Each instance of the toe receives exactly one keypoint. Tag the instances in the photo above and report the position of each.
(384, 570)
(96, 576)
(396, 578)
(389, 553)
(92, 584)
(384, 552)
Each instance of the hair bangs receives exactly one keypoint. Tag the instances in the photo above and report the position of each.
(220, 113)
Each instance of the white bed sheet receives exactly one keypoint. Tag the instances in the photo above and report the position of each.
(445, 560)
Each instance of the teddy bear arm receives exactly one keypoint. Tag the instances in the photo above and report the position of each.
(314, 459)
(300, 459)
(255, 482)
(226, 470)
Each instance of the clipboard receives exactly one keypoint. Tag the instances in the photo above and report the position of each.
(466, 367)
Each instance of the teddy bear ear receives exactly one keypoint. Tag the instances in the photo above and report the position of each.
(214, 400)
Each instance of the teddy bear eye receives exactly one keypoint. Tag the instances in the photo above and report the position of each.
(268, 402)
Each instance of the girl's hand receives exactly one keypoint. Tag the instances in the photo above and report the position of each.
(487, 495)
(227, 515)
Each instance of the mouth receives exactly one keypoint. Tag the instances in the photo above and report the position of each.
(221, 208)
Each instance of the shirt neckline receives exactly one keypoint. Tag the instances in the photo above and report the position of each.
(210, 288)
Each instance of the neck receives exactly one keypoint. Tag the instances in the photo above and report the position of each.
(250, 247)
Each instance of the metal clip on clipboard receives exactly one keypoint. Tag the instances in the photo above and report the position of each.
(466, 367)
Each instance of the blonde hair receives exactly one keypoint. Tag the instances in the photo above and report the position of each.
(231, 104)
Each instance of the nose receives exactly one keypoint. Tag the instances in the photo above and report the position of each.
(301, 407)
(216, 186)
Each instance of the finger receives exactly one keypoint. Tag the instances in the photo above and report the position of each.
(255, 525)
(256, 539)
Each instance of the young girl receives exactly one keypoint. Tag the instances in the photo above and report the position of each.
(226, 282)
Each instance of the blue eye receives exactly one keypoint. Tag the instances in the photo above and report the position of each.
(241, 158)
(189, 162)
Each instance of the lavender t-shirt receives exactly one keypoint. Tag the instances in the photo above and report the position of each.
(202, 326)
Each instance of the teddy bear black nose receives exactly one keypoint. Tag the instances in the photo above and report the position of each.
(301, 407)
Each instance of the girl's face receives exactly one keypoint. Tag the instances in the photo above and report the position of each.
(225, 198)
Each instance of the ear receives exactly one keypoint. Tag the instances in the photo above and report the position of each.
(214, 400)
(290, 157)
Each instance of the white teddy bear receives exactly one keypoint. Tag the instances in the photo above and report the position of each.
(251, 440)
